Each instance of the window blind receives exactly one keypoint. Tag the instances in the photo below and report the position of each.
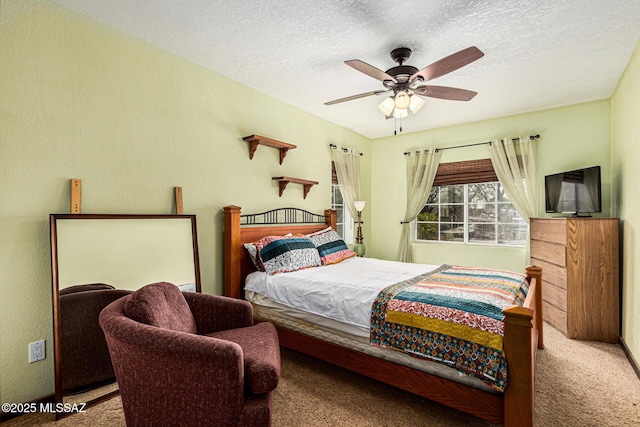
(465, 172)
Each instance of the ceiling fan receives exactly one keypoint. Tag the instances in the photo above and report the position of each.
(405, 81)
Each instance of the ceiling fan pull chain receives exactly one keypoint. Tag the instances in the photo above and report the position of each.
(395, 126)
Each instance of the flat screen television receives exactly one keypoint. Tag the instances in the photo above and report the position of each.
(574, 192)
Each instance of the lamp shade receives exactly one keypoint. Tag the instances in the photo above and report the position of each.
(386, 106)
(402, 100)
(416, 103)
(359, 205)
(400, 113)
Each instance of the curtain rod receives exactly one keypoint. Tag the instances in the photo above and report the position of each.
(531, 137)
(346, 150)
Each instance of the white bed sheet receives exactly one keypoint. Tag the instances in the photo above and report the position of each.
(342, 293)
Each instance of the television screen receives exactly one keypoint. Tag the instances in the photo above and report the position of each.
(574, 191)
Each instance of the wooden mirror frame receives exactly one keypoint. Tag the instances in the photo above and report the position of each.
(55, 274)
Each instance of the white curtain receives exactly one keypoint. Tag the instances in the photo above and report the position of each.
(347, 163)
(421, 170)
(515, 165)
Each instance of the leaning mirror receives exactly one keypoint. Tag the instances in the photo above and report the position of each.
(96, 259)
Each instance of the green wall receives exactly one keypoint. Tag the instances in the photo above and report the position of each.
(570, 138)
(625, 152)
(81, 100)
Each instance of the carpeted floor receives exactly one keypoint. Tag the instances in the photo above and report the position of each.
(578, 383)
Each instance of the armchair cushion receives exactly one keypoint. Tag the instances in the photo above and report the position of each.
(261, 354)
(162, 305)
(214, 313)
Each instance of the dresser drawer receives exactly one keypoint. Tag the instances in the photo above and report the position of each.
(549, 230)
(550, 252)
(555, 296)
(555, 316)
(551, 273)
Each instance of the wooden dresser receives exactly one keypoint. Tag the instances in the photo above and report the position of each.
(580, 273)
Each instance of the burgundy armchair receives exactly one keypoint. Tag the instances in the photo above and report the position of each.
(85, 356)
(191, 359)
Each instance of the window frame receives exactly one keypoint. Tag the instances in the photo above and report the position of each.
(347, 223)
(468, 172)
(466, 220)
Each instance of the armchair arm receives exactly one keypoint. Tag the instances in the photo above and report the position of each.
(214, 313)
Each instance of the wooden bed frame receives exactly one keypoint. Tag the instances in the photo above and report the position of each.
(522, 336)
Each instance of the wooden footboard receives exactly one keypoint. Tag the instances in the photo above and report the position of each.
(523, 331)
(522, 337)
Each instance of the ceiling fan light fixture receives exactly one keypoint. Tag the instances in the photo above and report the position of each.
(400, 113)
(386, 106)
(402, 100)
(416, 103)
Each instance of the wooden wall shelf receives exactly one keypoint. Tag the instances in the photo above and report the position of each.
(255, 140)
(284, 180)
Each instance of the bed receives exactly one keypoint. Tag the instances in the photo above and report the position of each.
(522, 329)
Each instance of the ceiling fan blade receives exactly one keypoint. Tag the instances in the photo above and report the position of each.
(449, 64)
(352, 97)
(444, 92)
(370, 70)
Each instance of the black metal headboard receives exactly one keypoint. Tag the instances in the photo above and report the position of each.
(282, 216)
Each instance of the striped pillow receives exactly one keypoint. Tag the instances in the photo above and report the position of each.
(331, 247)
(252, 250)
(282, 254)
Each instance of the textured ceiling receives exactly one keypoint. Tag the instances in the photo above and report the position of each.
(538, 53)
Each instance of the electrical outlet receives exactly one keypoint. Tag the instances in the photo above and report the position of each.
(36, 351)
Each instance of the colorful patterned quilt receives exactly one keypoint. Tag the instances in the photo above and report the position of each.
(452, 315)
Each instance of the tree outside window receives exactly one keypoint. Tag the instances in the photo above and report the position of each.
(471, 213)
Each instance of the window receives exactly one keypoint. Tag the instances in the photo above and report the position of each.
(344, 222)
(471, 213)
